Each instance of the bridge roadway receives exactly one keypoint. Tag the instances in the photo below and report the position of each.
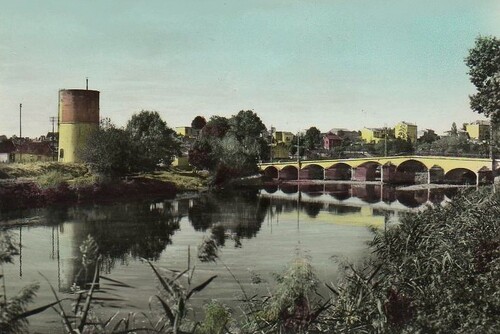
(394, 169)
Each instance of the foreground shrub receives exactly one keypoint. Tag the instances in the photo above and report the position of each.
(293, 306)
(51, 179)
(217, 319)
(438, 271)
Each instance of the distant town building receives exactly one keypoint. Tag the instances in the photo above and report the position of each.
(331, 140)
(282, 142)
(478, 130)
(406, 131)
(6, 150)
(283, 137)
(187, 132)
(345, 134)
(78, 117)
(375, 135)
(32, 151)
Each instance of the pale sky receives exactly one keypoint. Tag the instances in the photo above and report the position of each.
(296, 63)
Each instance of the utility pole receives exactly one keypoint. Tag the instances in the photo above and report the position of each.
(53, 119)
(20, 133)
(20, 127)
(385, 140)
(298, 156)
(271, 145)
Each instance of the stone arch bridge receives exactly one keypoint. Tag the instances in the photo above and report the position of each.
(395, 169)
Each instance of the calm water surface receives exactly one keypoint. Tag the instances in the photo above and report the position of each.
(259, 232)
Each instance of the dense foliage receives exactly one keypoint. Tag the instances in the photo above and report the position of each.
(156, 143)
(312, 138)
(198, 122)
(436, 272)
(230, 148)
(110, 150)
(145, 143)
(484, 71)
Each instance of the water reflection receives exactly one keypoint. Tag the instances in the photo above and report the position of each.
(237, 214)
(128, 232)
(377, 195)
(257, 230)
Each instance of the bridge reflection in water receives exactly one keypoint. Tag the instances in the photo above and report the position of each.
(377, 196)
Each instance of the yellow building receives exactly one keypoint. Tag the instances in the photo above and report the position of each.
(181, 162)
(406, 131)
(282, 141)
(187, 131)
(374, 135)
(283, 137)
(479, 130)
(78, 117)
(281, 151)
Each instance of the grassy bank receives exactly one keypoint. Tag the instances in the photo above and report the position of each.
(48, 174)
(52, 183)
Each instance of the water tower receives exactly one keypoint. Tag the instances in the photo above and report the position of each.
(78, 116)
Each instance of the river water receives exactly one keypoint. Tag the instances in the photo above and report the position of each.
(259, 232)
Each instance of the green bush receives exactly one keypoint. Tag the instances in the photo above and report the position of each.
(217, 318)
(51, 179)
(436, 272)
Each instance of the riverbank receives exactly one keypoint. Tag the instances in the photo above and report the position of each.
(50, 183)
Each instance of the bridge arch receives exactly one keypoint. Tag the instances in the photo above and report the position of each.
(338, 171)
(411, 171)
(367, 171)
(461, 176)
(411, 165)
(271, 172)
(289, 173)
(312, 172)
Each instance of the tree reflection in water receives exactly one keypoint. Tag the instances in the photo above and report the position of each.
(137, 230)
(233, 215)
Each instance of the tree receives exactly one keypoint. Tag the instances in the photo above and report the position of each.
(394, 146)
(216, 127)
(198, 122)
(231, 147)
(454, 130)
(454, 145)
(484, 71)
(249, 131)
(202, 154)
(157, 142)
(110, 150)
(428, 137)
(246, 124)
(312, 138)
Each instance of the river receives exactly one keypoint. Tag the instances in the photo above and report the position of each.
(259, 233)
